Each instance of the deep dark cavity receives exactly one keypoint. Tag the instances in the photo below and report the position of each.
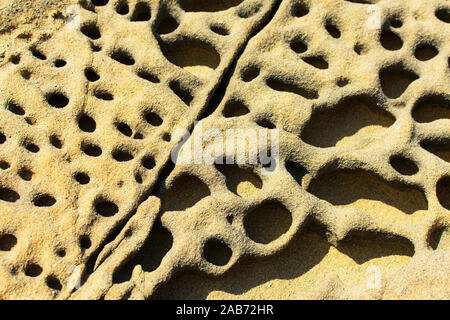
(106, 208)
(141, 12)
(87, 124)
(44, 200)
(57, 100)
(217, 252)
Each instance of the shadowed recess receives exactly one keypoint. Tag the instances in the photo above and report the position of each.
(296, 170)
(167, 25)
(184, 193)
(390, 41)
(122, 155)
(57, 100)
(208, 5)
(105, 207)
(250, 73)
(53, 283)
(234, 108)
(352, 117)
(395, 80)
(86, 123)
(7, 242)
(368, 192)
(403, 165)
(124, 129)
(122, 56)
(44, 200)
(15, 108)
(443, 14)
(141, 12)
(439, 238)
(91, 30)
(8, 195)
(431, 108)
(425, 52)
(193, 55)
(217, 252)
(443, 192)
(299, 9)
(240, 181)
(298, 46)
(332, 29)
(33, 270)
(155, 248)
(438, 147)
(122, 7)
(284, 85)
(147, 75)
(91, 149)
(359, 245)
(317, 62)
(267, 222)
(182, 92)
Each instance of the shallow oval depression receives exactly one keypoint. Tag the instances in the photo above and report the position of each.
(193, 55)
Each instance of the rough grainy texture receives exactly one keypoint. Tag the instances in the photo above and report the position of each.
(355, 204)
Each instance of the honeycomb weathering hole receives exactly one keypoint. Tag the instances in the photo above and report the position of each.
(184, 193)
(395, 80)
(437, 235)
(7, 242)
(345, 123)
(390, 41)
(217, 252)
(122, 56)
(425, 52)
(235, 108)
(167, 25)
(438, 147)
(431, 108)
(57, 100)
(267, 222)
(8, 195)
(403, 165)
(443, 192)
(33, 270)
(368, 192)
(297, 171)
(242, 182)
(282, 85)
(106, 208)
(374, 245)
(195, 56)
(208, 5)
(155, 248)
(141, 12)
(44, 200)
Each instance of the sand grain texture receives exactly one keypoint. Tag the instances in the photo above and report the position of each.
(357, 205)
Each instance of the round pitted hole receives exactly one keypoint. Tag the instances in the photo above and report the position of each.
(122, 155)
(230, 218)
(95, 47)
(220, 29)
(26, 74)
(91, 150)
(15, 59)
(57, 100)
(318, 62)
(299, 10)
(217, 252)
(59, 63)
(91, 75)
(360, 49)
(8, 195)
(250, 73)
(332, 29)
(166, 137)
(443, 192)
(298, 46)
(25, 174)
(53, 283)
(31, 147)
(33, 270)
(106, 208)
(122, 56)
(265, 123)
(141, 12)
(390, 41)
(122, 7)
(153, 119)
(56, 142)
(235, 108)
(425, 52)
(138, 178)
(7, 242)
(435, 235)
(87, 124)
(91, 30)
(84, 242)
(443, 14)
(124, 129)
(82, 178)
(38, 54)
(103, 95)
(60, 252)
(15, 108)
(2, 138)
(342, 82)
(44, 200)
(147, 75)
(403, 165)
(4, 165)
(267, 222)
(396, 23)
(148, 162)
